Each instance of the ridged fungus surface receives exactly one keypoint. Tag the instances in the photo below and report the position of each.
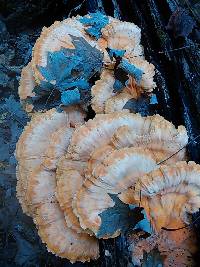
(94, 59)
(169, 196)
(85, 180)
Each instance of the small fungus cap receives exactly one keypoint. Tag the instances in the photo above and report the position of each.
(168, 194)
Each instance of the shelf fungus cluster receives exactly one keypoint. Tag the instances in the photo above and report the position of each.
(94, 59)
(115, 174)
(169, 195)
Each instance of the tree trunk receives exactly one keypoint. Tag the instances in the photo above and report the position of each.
(177, 62)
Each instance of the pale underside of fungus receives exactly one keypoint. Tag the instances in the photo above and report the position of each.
(169, 195)
(94, 59)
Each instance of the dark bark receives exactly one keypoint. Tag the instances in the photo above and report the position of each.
(177, 61)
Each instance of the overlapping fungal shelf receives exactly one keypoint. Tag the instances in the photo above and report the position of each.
(85, 180)
(95, 60)
(169, 196)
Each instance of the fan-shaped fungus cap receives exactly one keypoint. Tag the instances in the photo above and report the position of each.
(160, 137)
(50, 220)
(60, 33)
(115, 173)
(99, 131)
(40, 130)
(43, 142)
(110, 143)
(123, 36)
(169, 194)
(58, 50)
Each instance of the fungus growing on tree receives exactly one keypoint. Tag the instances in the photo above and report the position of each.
(119, 148)
(77, 169)
(79, 180)
(169, 196)
(86, 60)
(34, 146)
(44, 141)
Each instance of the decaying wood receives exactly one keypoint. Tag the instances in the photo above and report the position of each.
(177, 62)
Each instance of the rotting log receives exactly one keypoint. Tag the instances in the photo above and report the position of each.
(177, 61)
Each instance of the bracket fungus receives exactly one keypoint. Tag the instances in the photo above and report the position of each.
(81, 181)
(44, 140)
(119, 147)
(87, 60)
(169, 196)
(75, 167)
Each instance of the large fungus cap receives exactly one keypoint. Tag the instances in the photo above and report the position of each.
(34, 145)
(99, 131)
(65, 57)
(115, 173)
(44, 141)
(114, 146)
